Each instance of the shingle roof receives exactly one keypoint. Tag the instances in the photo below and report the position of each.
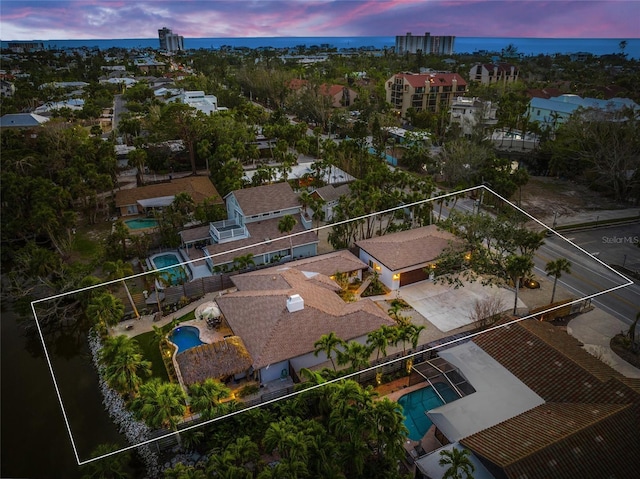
(408, 248)
(332, 193)
(266, 198)
(274, 334)
(198, 187)
(259, 232)
(563, 440)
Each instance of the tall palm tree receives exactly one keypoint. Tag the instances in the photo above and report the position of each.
(555, 268)
(121, 269)
(458, 462)
(206, 396)
(286, 225)
(105, 309)
(380, 339)
(516, 268)
(355, 353)
(388, 428)
(124, 364)
(160, 404)
(328, 344)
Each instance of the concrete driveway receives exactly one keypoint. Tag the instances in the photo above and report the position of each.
(448, 308)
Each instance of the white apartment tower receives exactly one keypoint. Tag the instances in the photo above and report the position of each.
(170, 42)
(436, 45)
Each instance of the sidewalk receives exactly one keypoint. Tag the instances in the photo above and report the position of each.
(595, 329)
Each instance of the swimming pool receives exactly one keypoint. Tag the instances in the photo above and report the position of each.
(185, 337)
(415, 405)
(141, 223)
(176, 274)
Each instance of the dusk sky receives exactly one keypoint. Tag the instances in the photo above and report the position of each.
(107, 19)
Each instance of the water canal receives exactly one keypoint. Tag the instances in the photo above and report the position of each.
(35, 442)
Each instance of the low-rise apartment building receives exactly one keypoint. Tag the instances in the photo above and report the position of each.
(425, 91)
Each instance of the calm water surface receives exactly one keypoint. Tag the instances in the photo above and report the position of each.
(35, 442)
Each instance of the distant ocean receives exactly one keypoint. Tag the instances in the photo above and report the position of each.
(526, 46)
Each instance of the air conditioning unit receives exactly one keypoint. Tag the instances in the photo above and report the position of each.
(295, 303)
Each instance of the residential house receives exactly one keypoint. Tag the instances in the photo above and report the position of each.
(143, 200)
(330, 195)
(22, 120)
(471, 113)
(425, 91)
(281, 312)
(494, 73)
(7, 89)
(339, 95)
(405, 257)
(252, 228)
(207, 104)
(436, 45)
(587, 425)
(552, 112)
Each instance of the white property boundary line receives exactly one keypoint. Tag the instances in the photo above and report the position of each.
(80, 462)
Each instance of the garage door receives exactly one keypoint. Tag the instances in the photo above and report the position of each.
(410, 277)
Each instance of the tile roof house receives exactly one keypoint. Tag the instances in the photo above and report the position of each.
(143, 199)
(281, 312)
(588, 425)
(252, 228)
(340, 95)
(424, 92)
(405, 257)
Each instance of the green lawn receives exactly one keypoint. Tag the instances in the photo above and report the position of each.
(151, 350)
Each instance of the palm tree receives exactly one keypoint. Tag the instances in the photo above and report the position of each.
(105, 309)
(206, 396)
(124, 364)
(110, 467)
(458, 462)
(328, 344)
(388, 428)
(286, 225)
(355, 353)
(516, 268)
(556, 268)
(121, 269)
(380, 339)
(160, 404)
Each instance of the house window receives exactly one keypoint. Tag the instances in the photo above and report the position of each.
(132, 209)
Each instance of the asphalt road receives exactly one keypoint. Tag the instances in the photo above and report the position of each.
(611, 245)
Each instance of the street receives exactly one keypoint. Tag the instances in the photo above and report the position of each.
(589, 276)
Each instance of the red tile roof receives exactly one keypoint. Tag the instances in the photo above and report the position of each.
(436, 79)
(590, 425)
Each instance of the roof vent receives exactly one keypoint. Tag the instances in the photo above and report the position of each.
(295, 303)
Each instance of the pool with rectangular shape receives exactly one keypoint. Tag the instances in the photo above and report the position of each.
(185, 337)
(416, 403)
(141, 223)
(174, 275)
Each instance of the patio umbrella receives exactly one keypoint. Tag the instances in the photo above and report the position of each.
(208, 310)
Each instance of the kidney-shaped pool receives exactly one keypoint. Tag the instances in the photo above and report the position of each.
(185, 337)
